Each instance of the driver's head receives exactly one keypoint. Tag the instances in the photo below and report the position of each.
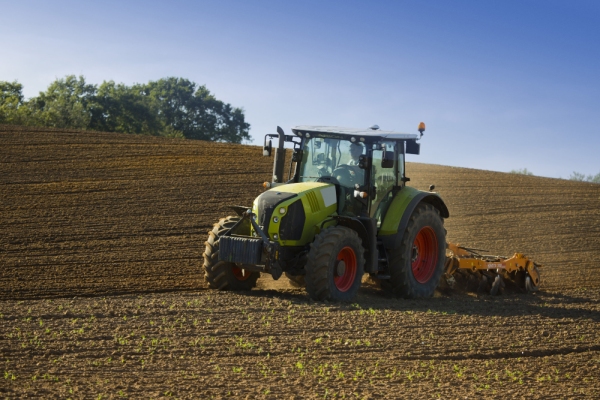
(356, 149)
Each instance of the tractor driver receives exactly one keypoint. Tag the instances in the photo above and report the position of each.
(356, 150)
(350, 174)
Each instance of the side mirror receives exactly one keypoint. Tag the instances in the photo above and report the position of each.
(267, 148)
(297, 155)
(388, 159)
(412, 147)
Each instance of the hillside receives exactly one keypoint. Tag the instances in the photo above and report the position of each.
(128, 212)
(102, 293)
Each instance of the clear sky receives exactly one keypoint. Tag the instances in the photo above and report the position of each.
(500, 84)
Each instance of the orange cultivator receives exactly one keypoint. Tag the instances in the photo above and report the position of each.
(490, 271)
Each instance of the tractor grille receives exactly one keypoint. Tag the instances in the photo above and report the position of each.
(236, 249)
(292, 223)
(313, 202)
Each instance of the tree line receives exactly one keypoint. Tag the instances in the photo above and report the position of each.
(171, 107)
(578, 176)
(575, 176)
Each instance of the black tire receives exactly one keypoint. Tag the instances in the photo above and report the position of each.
(414, 275)
(297, 281)
(328, 279)
(220, 274)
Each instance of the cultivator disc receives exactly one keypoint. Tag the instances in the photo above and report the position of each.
(473, 271)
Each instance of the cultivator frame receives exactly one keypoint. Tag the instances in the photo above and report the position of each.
(491, 270)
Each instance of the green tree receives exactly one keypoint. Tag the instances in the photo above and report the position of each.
(192, 110)
(174, 107)
(124, 109)
(173, 99)
(218, 121)
(11, 99)
(523, 171)
(67, 103)
(578, 176)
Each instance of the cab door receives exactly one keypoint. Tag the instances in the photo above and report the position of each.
(385, 170)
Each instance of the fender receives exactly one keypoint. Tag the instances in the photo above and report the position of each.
(398, 214)
(366, 229)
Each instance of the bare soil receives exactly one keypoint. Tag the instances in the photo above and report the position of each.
(102, 293)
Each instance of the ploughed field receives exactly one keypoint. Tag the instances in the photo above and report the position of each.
(102, 293)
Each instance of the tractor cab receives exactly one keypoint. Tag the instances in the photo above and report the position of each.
(366, 166)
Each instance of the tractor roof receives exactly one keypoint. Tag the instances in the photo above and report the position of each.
(347, 133)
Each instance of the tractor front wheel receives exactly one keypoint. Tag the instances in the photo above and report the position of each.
(220, 274)
(335, 265)
(418, 264)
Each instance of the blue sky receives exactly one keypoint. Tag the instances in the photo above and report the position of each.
(501, 84)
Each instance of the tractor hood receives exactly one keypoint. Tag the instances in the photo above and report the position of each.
(289, 213)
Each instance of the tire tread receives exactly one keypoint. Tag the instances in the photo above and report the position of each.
(218, 274)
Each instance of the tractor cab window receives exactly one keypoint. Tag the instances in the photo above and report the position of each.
(324, 157)
(335, 161)
(347, 171)
(318, 159)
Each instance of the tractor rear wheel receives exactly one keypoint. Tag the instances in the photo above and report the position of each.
(220, 274)
(418, 264)
(335, 265)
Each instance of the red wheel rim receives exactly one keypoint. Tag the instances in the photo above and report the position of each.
(345, 281)
(424, 254)
(240, 274)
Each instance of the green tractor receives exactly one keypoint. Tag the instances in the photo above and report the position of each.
(344, 211)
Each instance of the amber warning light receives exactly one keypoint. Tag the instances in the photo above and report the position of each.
(421, 129)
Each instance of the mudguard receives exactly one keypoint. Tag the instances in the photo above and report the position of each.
(399, 212)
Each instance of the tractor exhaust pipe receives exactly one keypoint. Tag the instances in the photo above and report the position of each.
(279, 163)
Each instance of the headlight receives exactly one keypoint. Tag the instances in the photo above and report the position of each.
(282, 210)
(275, 219)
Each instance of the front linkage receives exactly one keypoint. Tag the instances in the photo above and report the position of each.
(248, 252)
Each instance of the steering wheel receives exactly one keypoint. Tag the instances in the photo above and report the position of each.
(346, 175)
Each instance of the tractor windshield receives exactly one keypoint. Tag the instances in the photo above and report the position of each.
(324, 157)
